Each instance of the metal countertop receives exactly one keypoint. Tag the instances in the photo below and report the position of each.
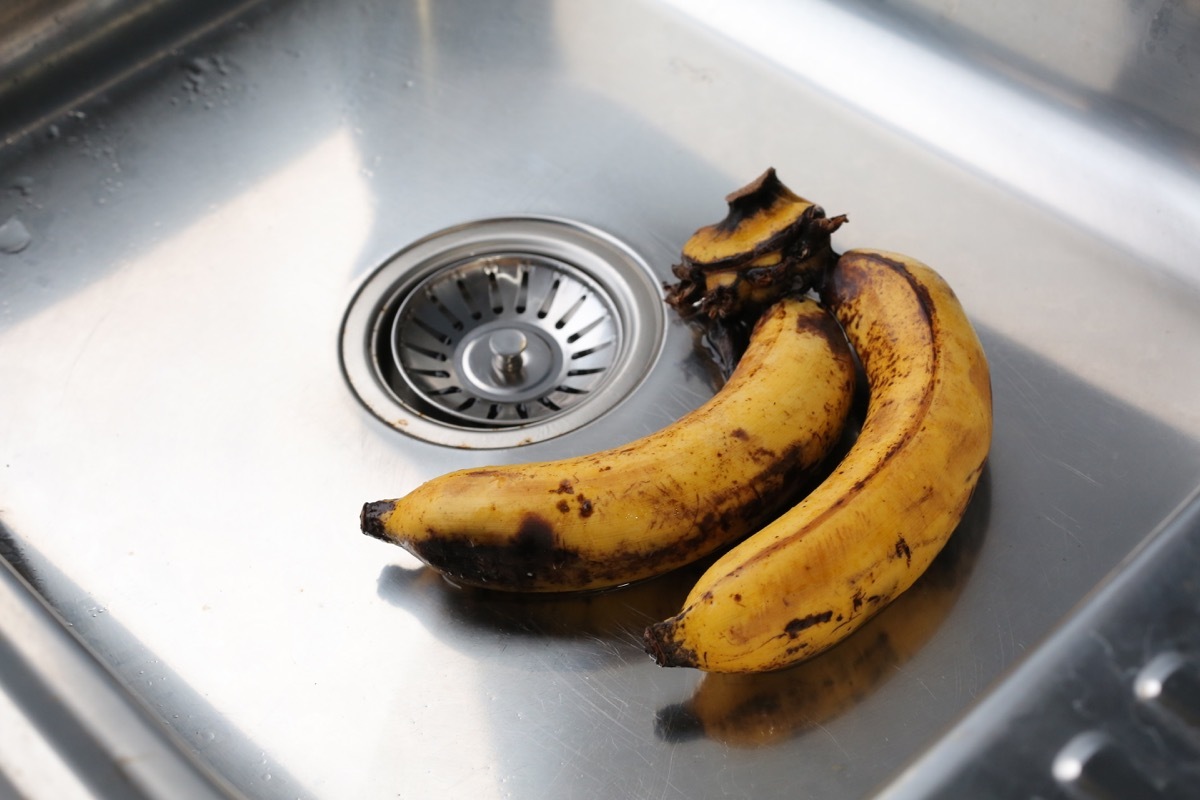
(191, 196)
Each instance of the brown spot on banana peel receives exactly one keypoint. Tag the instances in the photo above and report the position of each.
(517, 562)
(586, 509)
(794, 627)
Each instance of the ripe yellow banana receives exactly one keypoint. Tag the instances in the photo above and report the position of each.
(819, 571)
(753, 710)
(714, 476)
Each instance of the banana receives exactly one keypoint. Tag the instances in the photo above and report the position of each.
(823, 568)
(759, 709)
(610, 518)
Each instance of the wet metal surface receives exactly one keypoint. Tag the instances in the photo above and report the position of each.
(182, 463)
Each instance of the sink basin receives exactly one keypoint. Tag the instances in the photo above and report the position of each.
(191, 197)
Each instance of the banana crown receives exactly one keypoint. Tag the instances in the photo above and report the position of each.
(771, 244)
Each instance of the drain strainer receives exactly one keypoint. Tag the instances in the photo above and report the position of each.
(502, 332)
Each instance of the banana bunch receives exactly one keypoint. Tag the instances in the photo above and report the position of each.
(824, 567)
(805, 574)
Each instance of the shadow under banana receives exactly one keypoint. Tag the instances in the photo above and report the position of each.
(750, 710)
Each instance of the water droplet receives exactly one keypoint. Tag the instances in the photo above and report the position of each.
(14, 236)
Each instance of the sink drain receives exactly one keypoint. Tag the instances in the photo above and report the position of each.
(502, 332)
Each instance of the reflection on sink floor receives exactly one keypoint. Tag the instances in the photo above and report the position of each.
(184, 463)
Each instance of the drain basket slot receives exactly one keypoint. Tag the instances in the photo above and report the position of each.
(505, 339)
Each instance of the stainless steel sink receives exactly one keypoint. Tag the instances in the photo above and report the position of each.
(191, 195)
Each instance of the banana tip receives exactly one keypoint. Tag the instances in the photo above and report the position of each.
(370, 520)
(659, 642)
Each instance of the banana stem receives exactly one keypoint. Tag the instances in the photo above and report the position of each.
(771, 244)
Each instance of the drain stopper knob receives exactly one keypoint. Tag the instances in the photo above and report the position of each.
(508, 351)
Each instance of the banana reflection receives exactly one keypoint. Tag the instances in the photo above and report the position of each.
(757, 709)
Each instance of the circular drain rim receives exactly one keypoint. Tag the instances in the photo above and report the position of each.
(367, 346)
